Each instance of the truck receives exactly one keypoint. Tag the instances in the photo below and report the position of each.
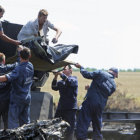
(42, 102)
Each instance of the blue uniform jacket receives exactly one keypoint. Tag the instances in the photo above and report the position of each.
(102, 86)
(21, 78)
(68, 89)
(5, 87)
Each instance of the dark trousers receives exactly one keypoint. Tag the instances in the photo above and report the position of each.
(70, 117)
(89, 112)
(4, 107)
(18, 115)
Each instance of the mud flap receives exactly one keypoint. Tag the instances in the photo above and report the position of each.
(41, 106)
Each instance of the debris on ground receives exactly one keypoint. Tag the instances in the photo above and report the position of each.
(40, 130)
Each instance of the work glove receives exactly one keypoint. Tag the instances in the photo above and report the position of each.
(54, 40)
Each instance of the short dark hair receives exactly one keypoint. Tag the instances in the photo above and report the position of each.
(69, 66)
(25, 53)
(1, 9)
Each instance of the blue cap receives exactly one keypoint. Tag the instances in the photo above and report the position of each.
(114, 70)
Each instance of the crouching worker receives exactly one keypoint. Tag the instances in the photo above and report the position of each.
(102, 86)
(20, 96)
(68, 90)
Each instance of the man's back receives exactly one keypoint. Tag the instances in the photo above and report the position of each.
(21, 79)
(102, 86)
(104, 83)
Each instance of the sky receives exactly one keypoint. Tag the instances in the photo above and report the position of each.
(106, 31)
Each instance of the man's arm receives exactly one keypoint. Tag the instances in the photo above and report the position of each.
(85, 73)
(8, 39)
(9, 67)
(58, 33)
(54, 82)
(71, 81)
(3, 78)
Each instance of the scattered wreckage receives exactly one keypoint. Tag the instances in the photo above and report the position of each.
(54, 129)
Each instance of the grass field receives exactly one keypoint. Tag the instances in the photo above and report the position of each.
(127, 96)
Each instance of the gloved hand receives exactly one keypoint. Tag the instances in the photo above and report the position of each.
(54, 40)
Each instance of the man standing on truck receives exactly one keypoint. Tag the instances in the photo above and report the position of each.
(5, 88)
(39, 27)
(102, 86)
(2, 35)
(20, 97)
(68, 90)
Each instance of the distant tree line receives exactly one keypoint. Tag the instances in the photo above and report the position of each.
(130, 70)
(88, 69)
(120, 70)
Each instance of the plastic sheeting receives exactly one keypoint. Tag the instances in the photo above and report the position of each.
(51, 54)
(54, 58)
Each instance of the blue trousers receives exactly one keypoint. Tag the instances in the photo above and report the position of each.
(18, 115)
(70, 117)
(89, 112)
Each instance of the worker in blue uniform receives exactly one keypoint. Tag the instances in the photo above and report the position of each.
(68, 90)
(5, 88)
(20, 96)
(102, 86)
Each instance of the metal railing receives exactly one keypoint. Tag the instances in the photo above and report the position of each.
(123, 117)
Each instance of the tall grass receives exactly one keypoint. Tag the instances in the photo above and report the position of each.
(119, 101)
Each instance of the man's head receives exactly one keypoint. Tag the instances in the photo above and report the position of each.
(42, 16)
(25, 54)
(2, 58)
(1, 11)
(114, 71)
(67, 70)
